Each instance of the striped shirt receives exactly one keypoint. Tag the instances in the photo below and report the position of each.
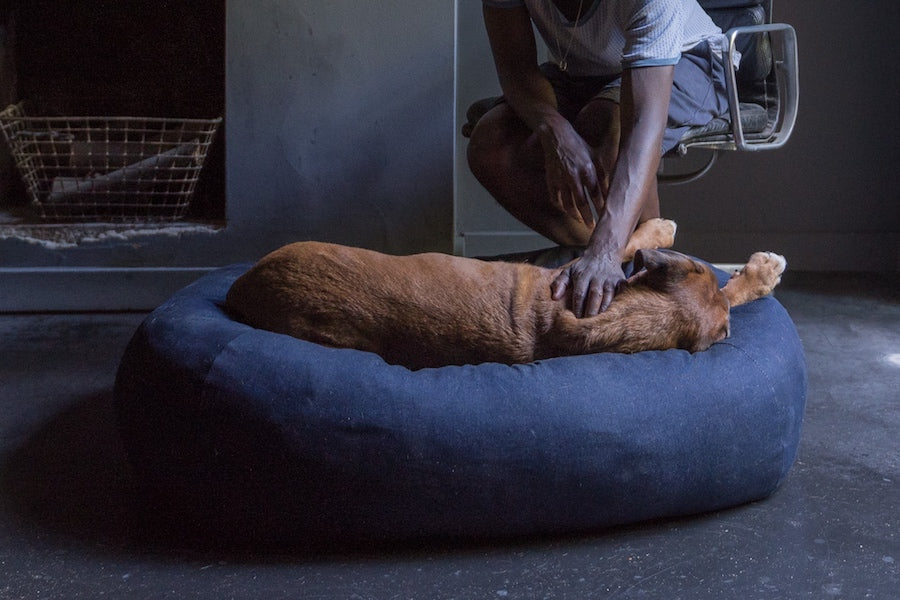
(616, 34)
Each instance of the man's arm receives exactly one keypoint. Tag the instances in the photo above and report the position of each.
(644, 111)
(572, 180)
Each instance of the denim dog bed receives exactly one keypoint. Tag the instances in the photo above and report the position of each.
(257, 436)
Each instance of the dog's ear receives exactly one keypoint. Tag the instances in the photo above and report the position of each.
(661, 269)
(652, 260)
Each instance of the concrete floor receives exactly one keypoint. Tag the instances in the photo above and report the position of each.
(69, 527)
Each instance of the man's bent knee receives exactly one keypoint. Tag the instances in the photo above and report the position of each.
(501, 143)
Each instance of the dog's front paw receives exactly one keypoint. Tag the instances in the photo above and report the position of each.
(763, 271)
(758, 278)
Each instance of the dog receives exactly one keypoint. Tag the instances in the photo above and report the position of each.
(432, 310)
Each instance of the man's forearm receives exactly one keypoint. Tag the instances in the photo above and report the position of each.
(633, 182)
(644, 111)
(514, 50)
(621, 212)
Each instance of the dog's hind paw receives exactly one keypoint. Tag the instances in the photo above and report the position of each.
(667, 230)
(658, 233)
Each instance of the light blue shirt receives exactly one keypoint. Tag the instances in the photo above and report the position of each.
(616, 34)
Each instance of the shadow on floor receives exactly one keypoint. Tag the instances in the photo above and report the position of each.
(70, 478)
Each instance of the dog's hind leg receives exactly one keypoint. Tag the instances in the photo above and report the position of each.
(758, 277)
(650, 235)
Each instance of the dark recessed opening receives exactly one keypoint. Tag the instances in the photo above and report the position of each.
(112, 58)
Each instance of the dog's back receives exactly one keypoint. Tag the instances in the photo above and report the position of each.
(419, 310)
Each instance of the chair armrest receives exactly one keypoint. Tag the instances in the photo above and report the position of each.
(787, 84)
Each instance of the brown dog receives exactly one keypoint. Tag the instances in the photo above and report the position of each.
(429, 310)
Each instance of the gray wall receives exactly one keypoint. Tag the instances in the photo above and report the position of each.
(340, 120)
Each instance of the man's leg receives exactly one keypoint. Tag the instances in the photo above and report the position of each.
(507, 159)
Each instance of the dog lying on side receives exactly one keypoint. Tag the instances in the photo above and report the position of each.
(430, 310)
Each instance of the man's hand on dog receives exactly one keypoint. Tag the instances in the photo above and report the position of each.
(593, 282)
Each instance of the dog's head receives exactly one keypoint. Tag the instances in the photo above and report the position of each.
(691, 292)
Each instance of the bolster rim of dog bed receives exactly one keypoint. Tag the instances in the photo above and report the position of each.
(257, 436)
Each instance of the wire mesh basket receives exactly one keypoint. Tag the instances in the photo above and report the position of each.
(108, 168)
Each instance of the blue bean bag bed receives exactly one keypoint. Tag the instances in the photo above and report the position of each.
(260, 437)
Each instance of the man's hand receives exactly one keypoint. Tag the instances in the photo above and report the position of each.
(573, 177)
(592, 281)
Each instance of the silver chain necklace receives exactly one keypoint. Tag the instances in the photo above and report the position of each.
(563, 64)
